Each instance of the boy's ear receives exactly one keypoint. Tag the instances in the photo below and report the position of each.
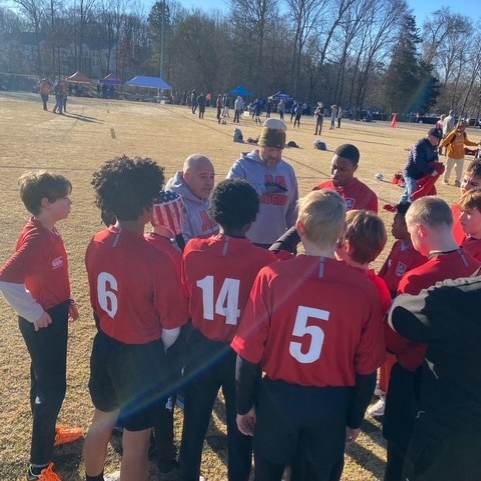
(300, 228)
(422, 230)
(44, 203)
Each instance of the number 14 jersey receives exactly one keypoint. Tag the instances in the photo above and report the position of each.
(312, 321)
(217, 274)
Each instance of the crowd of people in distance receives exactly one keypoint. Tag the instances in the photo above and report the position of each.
(217, 296)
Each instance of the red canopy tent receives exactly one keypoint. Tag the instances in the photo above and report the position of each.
(79, 78)
(111, 79)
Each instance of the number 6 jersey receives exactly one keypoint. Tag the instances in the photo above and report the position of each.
(134, 287)
(312, 321)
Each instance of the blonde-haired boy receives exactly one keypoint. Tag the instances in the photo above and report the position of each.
(314, 326)
(430, 224)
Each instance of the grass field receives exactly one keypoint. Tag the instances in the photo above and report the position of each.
(75, 145)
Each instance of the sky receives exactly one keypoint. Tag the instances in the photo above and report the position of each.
(421, 8)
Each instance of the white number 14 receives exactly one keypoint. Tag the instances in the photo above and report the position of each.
(227, 301)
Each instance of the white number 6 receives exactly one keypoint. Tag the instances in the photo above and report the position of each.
(301, 329)
(106, 284)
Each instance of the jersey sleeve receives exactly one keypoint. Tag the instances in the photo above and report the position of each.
(370, 353)
(249, 341)
(373, 203)
(291, 213)
(26, 261)
(170, 300)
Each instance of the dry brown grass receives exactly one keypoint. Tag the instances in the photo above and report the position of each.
(75, 145)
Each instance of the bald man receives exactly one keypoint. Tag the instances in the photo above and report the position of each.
(195, 183)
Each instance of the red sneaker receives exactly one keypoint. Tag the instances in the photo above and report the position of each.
(65, 435)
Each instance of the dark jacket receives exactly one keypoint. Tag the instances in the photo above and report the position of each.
(422, 153)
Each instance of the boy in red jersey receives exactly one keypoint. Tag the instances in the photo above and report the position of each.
(471, 180)
(430, 224)
(402, 258)
(136, 295)
(314, 326)
(35, 282)
(343, 166)
(217, 275)
(167, 221)
(470, 220)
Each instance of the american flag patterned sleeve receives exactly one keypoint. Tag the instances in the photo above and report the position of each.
(168, 211)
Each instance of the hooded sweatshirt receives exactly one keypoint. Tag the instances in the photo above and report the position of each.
(197, 222)
(277, 212)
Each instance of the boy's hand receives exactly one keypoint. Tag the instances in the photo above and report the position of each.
(43, 321)
(246, 422)
(73, 314)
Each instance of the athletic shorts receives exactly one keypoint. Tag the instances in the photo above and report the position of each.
(129, 377)
(288, 415)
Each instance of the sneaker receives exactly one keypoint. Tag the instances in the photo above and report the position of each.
(112, 476)
(65, 435)
(457, 183)
(47, 474)
(377, 409)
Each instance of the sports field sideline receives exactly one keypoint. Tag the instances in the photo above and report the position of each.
(75, 144)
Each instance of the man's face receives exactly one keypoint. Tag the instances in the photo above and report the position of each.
(470, 220)
(271, 156)
(469, 182)
(433, 140)
(200, 179)
(342, 171)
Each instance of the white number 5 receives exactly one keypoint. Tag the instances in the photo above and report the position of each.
(107, 299)
(301, 329)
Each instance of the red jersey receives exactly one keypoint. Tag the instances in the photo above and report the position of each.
(217, 276)
(472, 246)
(382, 290)
(40, 262)
(458, 232)
(439, 268)
(356, 194)
(134, 287)
(402, 258)
(312, 321)
(165, 245)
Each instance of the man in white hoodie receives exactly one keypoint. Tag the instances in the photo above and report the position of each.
(195, 183)
(274, 181)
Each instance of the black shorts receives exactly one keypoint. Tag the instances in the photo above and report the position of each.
(131, 378)
(289, 414)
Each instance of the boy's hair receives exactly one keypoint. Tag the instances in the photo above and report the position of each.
(366, 234)
(474, 168)
(402, 208)
(471, 200)
(125, 187)
(430, 210)
(234, 203)
(323, 214)
(349, 152)
(35, 186)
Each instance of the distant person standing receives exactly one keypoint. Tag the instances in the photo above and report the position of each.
(281, 108)
(193, 101)
(319, 114)
(238, 104)
(333, 116)
(219, 105)
(268, 109)
(200, 102)
(298, 114)
(454, 143)
(45, 90)
(58, 91)
(339, 116)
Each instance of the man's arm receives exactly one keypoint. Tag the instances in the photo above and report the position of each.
(248, 377)
(420, 158)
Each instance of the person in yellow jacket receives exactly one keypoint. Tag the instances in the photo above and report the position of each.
(454, 143)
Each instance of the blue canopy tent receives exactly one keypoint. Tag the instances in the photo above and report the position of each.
(149, 83)
(240, 90)
(281, 95)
